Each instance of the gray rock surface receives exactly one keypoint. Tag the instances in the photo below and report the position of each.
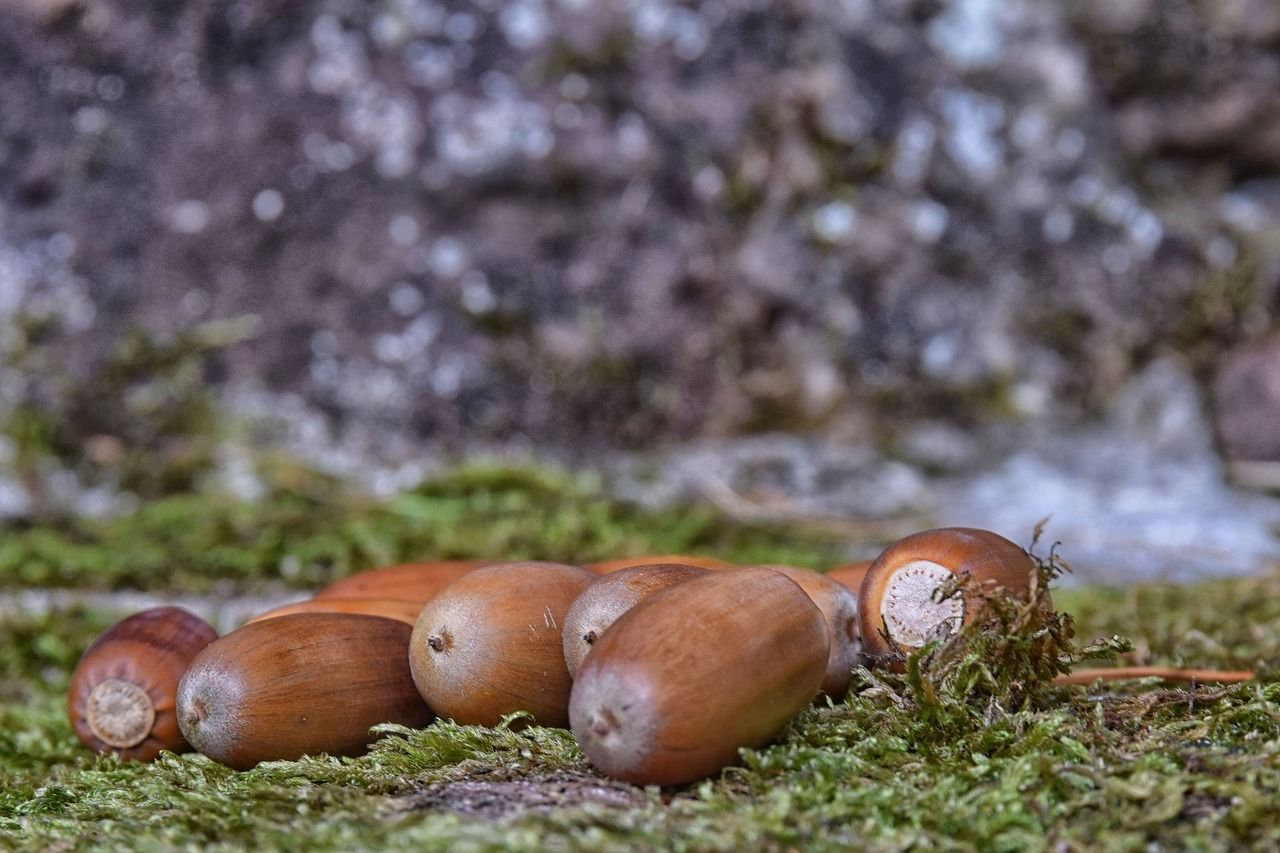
(586, 225)
(225, 612)
(1139, 495)
(921, 231)
(1247, 395)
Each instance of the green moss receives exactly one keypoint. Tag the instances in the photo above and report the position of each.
(974, 748)
(1215, 313)
(866, 773)
(983, 400)
(308, 531)
(141, 418)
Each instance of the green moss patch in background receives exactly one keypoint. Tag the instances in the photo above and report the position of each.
(308, 531)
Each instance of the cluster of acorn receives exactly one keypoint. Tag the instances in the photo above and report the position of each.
(663, 667)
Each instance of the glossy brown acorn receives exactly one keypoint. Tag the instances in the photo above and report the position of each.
(695, 672)
(607, 566)
(850, 574)
(611, 595)
(124, 690)
(388, 608)
(406, 581)
(897, 595)
(839, 606)
(299, 685)
(489, 644)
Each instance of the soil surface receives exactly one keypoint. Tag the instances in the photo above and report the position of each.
(495, 799)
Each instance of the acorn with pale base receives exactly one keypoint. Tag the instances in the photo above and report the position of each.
(898, 596)
(489, 644)
(609, 597)
(694, 673)
(298, 685)
(124, 689)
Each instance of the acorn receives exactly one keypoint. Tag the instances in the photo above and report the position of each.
(897, 597)
(299, 685)
(850, 574)
(406, 581)
(609, 597)
(124, 689)
(696, 672)
(839, 606)
(489, 644)
(388, 608)
(608, 566)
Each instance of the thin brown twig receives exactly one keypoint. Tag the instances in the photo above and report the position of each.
(783, 509)
(1088, 676)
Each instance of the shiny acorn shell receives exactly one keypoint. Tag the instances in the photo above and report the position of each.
(405, 581)
(896, 594)
(123, 692)
(298, 685)
(694, 673)
(839, 606)
(611, 595)
(388, 608)
(608, 566)
(489, 644)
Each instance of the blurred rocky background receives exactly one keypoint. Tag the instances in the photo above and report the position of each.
(878, 262)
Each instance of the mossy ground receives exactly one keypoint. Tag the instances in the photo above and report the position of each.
(1138, 766)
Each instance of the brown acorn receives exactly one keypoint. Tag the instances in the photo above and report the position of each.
(299, 685)
(607, 566)
(696, 672)
(850, 574)
(489, 644)
(609, 597)
(388, 608)
(897, 596)
(405, 581)
(839, 606)
(124, 689)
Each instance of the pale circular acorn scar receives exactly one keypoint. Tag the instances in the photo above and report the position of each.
(911, 613)
(120, 713)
